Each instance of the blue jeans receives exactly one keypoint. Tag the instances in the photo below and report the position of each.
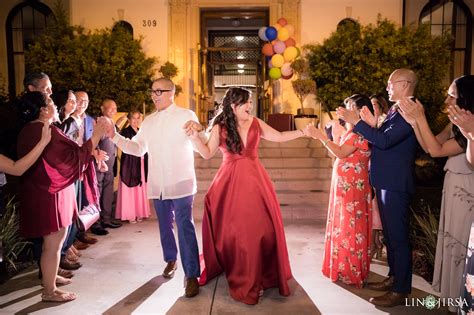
(181, 210)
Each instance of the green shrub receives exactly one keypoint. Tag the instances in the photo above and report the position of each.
(105, 63)
(10, 239)
(359, 59)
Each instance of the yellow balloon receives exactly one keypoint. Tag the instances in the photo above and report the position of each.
(290, 53)
(283, 34)
(278, 60)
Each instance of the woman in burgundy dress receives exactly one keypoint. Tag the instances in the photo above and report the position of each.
(48, 201)
(242, 228)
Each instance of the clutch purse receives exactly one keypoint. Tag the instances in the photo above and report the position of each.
(87, 216)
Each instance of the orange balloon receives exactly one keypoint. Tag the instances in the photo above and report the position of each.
(290, 42)
(267, 49)
(282, 21)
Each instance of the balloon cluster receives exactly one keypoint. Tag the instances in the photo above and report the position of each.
(280, 50)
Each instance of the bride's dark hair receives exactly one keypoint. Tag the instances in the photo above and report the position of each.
(226, 119)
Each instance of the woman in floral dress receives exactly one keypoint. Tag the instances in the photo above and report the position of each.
(349, 223)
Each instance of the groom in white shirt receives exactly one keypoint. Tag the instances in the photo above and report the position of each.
(172, 180)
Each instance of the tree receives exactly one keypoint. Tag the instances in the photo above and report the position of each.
(359, 59)
(105, 63)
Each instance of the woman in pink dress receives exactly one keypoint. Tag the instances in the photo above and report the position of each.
(349, 224)
(242, 229)
(48, 202)
(132, 202)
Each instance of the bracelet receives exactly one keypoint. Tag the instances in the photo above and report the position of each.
(326, 142)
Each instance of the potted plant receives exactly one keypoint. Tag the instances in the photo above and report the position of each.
(303, 86)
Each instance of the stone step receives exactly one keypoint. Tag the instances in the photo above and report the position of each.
(278, 152)
(273, 162)
(276, 173)
(294, 206)
(284, 184)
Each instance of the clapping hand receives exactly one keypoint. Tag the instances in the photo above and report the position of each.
(312, 131)
(462, 118)
(410, 110)
(368, 117)
(347, 115)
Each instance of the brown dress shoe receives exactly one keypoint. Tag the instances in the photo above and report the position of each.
(170, 269)
(192, 287)
(69, 265)
(389, 299)
(80, 245)
(87, 239)
(65, 273)
(384, 285)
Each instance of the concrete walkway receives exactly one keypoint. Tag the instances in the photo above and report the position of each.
(121, 274)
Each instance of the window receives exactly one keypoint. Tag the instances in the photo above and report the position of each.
(454, 17)
(24, 23)
(125, 26)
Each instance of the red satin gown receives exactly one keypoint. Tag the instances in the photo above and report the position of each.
(242, 229)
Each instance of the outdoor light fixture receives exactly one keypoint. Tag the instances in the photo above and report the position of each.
(239, 38)
(240, 57)
(240, 70)
(241, 66)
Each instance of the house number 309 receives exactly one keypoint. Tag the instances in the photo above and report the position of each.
(149, 23)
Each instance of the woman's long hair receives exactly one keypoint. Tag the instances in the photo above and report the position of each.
(465, 100)
(60, 100)
(226, 119)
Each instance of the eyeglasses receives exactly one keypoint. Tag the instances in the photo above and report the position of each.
(157, 92)
(393, 82)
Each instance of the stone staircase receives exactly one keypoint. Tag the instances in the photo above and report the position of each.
(301, 173)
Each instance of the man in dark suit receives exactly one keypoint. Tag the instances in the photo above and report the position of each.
(392, 175)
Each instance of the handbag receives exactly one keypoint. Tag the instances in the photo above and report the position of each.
(87, 217)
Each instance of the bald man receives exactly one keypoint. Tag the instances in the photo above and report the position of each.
(392, 175)
(106, 174)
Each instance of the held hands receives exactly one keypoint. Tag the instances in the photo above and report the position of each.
(105, 127)
(192, 129)
(464, 119)
(45, 134)
(410, 110)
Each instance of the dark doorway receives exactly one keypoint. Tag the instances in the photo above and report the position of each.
(230, 55)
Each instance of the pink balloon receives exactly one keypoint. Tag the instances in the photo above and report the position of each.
(282, 21)
(279, 47)
(286, 69)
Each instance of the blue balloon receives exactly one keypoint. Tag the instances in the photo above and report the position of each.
(271, 33)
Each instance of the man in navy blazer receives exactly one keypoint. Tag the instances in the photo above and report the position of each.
(392, 175)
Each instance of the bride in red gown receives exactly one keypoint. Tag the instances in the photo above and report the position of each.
(242, 229)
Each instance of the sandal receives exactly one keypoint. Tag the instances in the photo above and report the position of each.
(58, 296)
